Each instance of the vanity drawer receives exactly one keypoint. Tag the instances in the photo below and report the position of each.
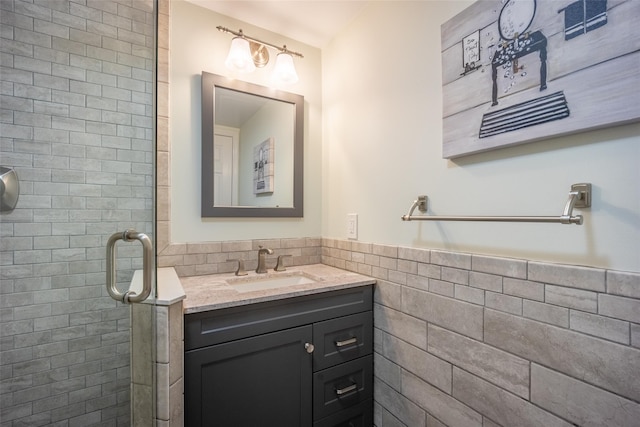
(342, 386)
(342, 339)
(228, 324)
(360, 415)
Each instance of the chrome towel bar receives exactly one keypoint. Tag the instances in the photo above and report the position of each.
(579, 197)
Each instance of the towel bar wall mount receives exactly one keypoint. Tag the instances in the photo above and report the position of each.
(579, 197)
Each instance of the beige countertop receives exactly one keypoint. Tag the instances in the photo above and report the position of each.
(213, 292)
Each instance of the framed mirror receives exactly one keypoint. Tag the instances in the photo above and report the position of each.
(252, 150)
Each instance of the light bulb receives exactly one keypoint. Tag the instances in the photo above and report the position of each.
(239, 58)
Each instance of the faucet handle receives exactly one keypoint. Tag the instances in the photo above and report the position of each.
(240, 270)
(280, 264)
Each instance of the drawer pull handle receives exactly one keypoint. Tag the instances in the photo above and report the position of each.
(347, 342)
(309, 347)
(348, 389)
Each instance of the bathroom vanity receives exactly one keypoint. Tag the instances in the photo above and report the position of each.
(291, 355)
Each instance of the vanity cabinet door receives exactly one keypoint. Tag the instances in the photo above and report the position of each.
(258, 381)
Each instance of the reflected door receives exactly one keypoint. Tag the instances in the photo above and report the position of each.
(225, 170)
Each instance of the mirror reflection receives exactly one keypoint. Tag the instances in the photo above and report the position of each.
(252, 150)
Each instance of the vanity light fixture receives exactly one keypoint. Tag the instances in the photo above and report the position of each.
(247, 53)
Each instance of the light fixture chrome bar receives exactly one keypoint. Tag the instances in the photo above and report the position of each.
(579, 197)
(253, 39)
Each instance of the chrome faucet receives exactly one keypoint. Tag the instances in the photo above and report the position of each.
(262, 268)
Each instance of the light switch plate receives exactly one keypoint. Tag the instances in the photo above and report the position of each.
(352, 226)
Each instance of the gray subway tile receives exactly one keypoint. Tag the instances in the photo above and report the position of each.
(523, 289)
(455, 275)
(439, 404)
(591, 279)
(387, 371)
(635, 335)
(567, 351)
(623, 283)
(414, 254)
(502, 302)
(500, 405)
(418, 282)
(401, 325)
(501, 266)
(451, 259)
(619, 307)
(469, 294)
(571, 298)
(388, 294)
(433, 422)
(385, 250)
(431, 271)
(600, 326)
(398, 405)
(435, 371)
(488, 282)
(449, 313)
(579, 402)
(499, 367)
(546, 313)
(441, 287)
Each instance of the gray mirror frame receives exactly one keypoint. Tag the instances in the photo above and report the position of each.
(209, 83)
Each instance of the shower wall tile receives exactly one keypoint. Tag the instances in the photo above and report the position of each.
(77, 126)
(491, 336)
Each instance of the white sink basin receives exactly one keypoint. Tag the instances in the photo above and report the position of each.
(272, 281)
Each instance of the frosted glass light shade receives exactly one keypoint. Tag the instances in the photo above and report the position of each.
(284, 70)
(239, 57)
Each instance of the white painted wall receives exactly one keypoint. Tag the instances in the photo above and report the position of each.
(382, 147)
(196, 46)
(373, 143)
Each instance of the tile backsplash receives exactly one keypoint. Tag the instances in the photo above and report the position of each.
(473, 340)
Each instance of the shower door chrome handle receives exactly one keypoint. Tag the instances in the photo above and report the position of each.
(147, 268)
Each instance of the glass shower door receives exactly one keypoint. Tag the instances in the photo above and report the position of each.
(77, 128)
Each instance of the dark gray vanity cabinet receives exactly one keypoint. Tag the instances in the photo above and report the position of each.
(300, 362)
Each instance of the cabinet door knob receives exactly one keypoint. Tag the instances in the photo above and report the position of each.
(309, 347)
